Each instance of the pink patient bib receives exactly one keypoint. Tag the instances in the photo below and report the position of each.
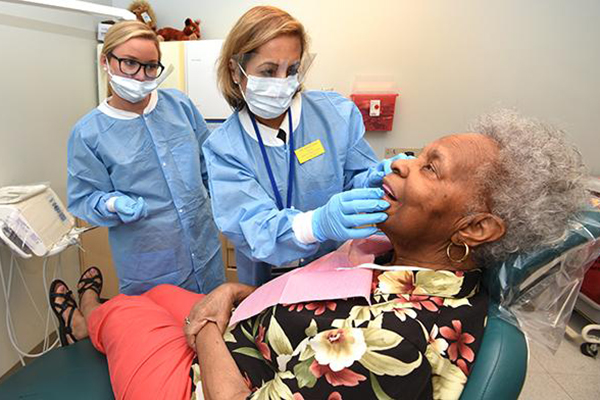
(330, 277)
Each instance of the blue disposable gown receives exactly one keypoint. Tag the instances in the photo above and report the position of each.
(244, 204)
(156, 156)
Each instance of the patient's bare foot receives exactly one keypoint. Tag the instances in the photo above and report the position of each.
(78, 324)
(89, 299)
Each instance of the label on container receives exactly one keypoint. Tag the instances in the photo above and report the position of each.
(375, 108)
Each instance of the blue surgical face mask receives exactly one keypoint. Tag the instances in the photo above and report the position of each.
(268, 98)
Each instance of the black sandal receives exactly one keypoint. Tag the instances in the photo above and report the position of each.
(92, 283)
(64, 327)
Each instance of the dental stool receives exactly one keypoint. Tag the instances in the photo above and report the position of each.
(79, 371)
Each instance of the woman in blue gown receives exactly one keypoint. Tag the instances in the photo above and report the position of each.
(290, 171)
(135, 166)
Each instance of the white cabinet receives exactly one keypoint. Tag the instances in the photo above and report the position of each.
(201, 58)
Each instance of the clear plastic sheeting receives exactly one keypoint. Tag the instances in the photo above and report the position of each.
(537, 292)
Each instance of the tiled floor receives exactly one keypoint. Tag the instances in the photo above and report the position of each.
(566, 375)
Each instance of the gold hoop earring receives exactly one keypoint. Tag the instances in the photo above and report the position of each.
(463, 258)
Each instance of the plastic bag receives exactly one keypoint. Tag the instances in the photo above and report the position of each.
(537, 292)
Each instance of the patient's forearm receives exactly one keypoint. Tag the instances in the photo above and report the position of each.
(221, 378)
(241, 292)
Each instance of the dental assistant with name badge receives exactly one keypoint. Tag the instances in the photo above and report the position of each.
(290, 173)
(135, 166)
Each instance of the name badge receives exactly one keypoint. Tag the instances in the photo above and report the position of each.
(310, 151)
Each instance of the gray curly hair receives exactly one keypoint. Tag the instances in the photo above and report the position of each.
(536, 185)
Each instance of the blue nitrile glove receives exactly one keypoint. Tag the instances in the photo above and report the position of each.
(338, 219)
(376, 173)
(130, 210)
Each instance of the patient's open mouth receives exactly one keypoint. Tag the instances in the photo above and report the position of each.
(389, 192)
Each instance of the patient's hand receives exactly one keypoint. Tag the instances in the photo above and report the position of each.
(215, 307)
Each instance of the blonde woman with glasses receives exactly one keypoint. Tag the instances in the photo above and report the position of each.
(135, 166)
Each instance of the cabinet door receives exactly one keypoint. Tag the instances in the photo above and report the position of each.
(228, 259)
(201, 58)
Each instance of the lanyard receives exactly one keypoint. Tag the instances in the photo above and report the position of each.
(268, 164)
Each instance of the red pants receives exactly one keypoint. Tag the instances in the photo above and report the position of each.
(142, 337)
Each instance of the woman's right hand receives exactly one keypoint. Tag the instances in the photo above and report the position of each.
(375, 174)
(216, 307)
(130, 210)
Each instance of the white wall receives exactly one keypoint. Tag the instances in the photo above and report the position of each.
(48, 81)
(452, 60)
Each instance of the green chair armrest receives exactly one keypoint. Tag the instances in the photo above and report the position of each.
(501, 365)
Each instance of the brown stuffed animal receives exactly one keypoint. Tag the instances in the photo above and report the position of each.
(190, 32)
(144, 13)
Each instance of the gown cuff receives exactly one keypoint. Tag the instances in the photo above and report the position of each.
(302, 227)
(110, 204)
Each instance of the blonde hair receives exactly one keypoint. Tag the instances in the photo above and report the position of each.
(256, 27)
(124, 31)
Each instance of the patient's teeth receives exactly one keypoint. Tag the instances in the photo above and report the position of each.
(388, 191)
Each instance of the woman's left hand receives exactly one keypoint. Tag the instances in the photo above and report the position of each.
(216, 307)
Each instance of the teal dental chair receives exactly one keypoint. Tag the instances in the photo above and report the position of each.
(80, 372)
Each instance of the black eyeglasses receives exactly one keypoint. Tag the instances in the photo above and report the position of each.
(132, 67)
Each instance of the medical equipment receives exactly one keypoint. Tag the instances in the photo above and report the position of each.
(588, 301)
(377, 110)
(33, 221)
(588, 305)
(375, 97)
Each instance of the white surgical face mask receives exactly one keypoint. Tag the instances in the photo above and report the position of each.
(269, 97)
(133, 90)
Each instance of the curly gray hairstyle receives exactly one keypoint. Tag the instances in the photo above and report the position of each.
(536, 185)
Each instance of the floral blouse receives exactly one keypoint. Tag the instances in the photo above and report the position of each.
(416, 340)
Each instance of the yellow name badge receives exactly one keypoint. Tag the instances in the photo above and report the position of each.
(310, 151)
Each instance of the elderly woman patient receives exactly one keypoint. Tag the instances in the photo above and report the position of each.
(467, 201)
